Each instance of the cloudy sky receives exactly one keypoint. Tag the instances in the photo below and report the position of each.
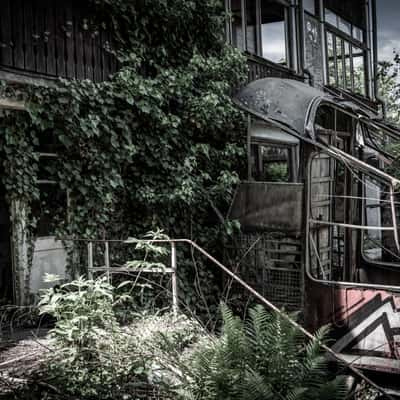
(388, 28)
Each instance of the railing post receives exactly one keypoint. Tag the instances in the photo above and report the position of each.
(90, 259)
(174, 280)
(107, 260)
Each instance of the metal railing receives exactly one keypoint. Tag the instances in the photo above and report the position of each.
(108, 269)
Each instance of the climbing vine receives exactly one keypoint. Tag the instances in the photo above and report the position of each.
(158, 145)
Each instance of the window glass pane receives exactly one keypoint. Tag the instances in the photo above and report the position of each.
(359, 70)
(331, 17)
(346, 69)
(331, 60)
(340, 60)
(309, 5)
(251, 21)
(358, 34)
(273, 32)
(270, 163)
(347, 62)
(378, 245)
(344, 26)
(237, 31)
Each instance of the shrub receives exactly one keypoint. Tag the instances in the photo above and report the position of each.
(94, 357)
(97, 358)
(263, 357)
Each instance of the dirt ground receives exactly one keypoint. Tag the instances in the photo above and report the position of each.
(21, 353)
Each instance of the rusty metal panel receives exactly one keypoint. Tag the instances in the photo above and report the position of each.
(365, 322)
(270, 263)
(261, 206)
(284, 101)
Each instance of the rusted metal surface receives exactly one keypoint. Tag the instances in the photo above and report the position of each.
(281, 100)
(366, 323)
(54, 39)
(360, 297)
(261, 206)
(271, 264)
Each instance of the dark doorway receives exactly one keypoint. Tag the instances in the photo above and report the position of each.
(6, 279)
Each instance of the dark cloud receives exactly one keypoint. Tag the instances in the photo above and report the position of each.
(388, 28)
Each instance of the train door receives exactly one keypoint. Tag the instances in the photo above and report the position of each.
(332, 246)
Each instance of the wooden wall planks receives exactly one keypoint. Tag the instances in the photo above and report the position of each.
(53, 38)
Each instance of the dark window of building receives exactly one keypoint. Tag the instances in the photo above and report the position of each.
(251, 26)
(237, 24)
(51, 207)
(353, 10)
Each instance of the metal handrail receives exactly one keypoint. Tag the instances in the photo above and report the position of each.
(257, 295)
(108, 269)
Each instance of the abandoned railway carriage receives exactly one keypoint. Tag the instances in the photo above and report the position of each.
(318, 211)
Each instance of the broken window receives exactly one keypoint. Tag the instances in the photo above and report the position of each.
(272, 155)
(271, 163)
(378, 245)
(348, 207)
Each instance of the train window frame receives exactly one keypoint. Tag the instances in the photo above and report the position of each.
(365, 257)
(290, 149)
(309, 221)
(264, 134)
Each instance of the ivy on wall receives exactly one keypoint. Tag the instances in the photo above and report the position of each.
(160, 144)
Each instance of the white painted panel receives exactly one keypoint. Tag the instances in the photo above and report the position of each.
(50, 256)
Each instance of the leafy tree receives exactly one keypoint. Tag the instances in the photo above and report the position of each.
(389, 87)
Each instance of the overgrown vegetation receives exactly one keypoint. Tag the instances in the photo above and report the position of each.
(389, 87)
(93, 356)
(158, 145)
(263, 357)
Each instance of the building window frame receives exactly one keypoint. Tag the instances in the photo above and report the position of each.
(344, 39)
(289, 29)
